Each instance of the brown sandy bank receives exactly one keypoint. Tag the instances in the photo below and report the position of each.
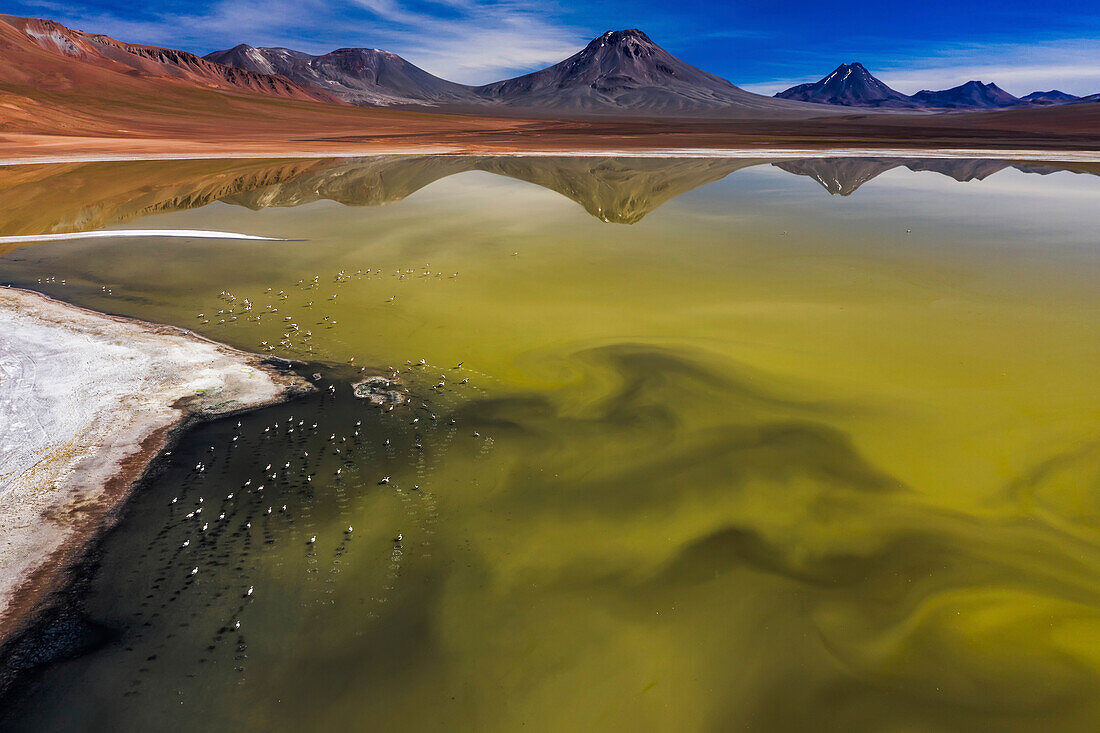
(288, 129)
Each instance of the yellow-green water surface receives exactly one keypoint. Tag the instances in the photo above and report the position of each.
(733, 452)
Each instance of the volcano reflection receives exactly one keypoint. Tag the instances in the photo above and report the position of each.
(48, 199)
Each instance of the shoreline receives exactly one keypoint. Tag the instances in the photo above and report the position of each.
(1033, 154)
(63, 488)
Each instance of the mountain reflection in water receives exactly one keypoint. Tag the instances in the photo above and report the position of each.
(56, 198)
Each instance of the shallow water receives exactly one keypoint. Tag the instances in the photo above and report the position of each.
(733, 452)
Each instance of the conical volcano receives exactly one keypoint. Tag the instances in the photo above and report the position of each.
(850, 85)
(625, 71)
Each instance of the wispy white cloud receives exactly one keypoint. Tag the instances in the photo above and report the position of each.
(1066, 64)
(225, 22)
(469, 41)
(477, 41)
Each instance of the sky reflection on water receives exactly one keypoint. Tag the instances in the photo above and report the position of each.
(763, 457)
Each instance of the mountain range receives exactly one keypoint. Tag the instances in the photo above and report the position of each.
(94, 53)
(851, 85)
(620, 71)
(364, 76)
(56, 78)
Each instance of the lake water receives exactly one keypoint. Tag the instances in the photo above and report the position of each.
(692, 445)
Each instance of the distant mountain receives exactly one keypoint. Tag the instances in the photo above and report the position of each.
(363, 76)
(971, 95)
(850, 85)
(1052, 97)
(621, 72)
(625, 71)
(96, 56)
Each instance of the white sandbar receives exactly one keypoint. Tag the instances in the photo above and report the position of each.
(86, 401)
(117, 233)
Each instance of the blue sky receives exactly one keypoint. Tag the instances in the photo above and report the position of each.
(762, 45)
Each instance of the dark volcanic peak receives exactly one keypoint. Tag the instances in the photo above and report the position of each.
(1054, 96)
(971, 95)
(625, 71)
(366, 76)
(850, 85)
(609, 64)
